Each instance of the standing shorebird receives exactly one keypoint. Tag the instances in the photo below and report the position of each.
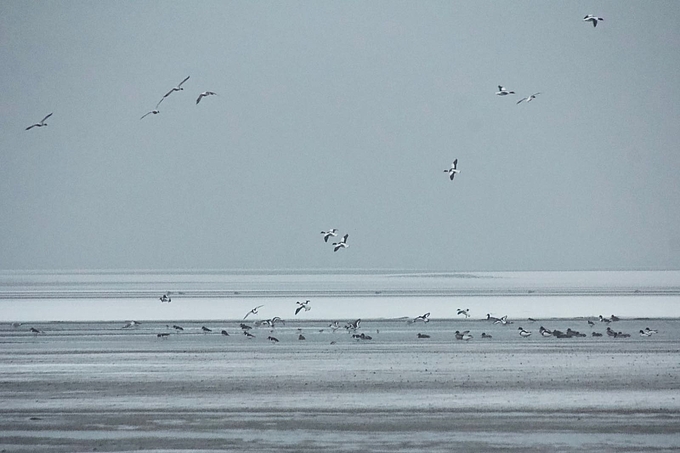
(342, 244)
(41, 123)
(593, 19)
(524, 333)
(453, 170)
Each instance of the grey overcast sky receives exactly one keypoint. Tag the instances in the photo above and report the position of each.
(340, 114)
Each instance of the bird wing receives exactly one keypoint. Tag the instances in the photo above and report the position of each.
(183, 81)
(31, 126)
(344, 238)
(500, 87)
(536, 94)
(298, 309)
(43, 120)
(200, 96)
(451, 176)
(143, 116)
(594, 22)
(455, 164)
(521, 100)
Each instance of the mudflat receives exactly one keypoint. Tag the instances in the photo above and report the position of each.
(97, 388)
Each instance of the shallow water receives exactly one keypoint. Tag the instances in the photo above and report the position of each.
(102, 296)
(86, 383)
(81, 386)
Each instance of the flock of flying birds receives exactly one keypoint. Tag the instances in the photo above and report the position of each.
(333, 232)
(342, 243)
(172, 90)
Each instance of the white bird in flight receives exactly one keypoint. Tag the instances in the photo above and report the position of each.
(253, 311)
(155, 112)
(529, 98)
(326, 234)
(177, 88)
(502, 91)
(593, 19)
(204, 94)
(41, 123)
(303, 305)
(453, 170)
(342, 244)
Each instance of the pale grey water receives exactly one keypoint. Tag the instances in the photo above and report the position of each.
(83, 385)
(110, 295)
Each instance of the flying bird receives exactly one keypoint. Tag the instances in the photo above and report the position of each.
(155, 112)
(453, 170)
(593, 19)
(465, 312)
(326, 234)
(165, 298)
(177, 88)
(342, 244)
(302, 305)
(502, 91)
(41, 123)
(529, 98)
(204, 94)
(424, 318)
(253, 311)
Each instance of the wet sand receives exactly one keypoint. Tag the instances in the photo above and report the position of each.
(97, 387)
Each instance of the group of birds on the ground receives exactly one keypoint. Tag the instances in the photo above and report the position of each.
(333, 232)
(351, 327)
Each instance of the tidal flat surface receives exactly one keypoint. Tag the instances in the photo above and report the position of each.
(97, 387)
